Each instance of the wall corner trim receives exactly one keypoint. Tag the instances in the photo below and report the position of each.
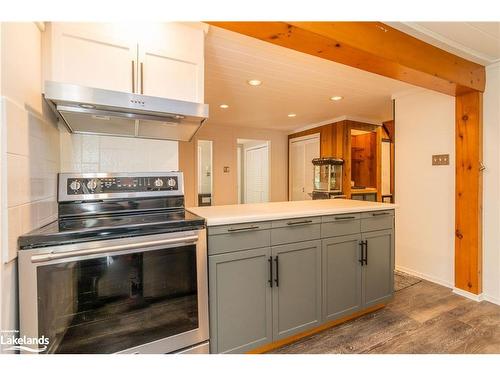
(472, 296)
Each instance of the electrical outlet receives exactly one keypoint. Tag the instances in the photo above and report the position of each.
(443, 159)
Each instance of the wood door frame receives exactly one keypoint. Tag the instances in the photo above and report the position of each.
(384, 50)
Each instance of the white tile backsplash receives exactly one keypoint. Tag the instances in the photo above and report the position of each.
(18, 180)
(18, 137)
(94, 153)
(33, 158)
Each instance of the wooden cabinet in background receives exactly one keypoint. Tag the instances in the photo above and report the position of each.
(363, 159)
(335, 141)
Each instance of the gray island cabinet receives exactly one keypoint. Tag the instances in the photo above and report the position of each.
(272, 279)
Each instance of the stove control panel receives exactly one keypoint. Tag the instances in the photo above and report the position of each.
(72, 186)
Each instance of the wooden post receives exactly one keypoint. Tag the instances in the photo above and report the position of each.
(346, 145)
(374, 47)
(378, 156)
(468, 192)
(379, 48)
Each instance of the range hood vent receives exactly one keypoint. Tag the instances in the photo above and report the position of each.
(86, 110)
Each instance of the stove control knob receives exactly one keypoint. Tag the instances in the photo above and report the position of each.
(74, 185)
(171, 182)
(158, 182)
(92, 184)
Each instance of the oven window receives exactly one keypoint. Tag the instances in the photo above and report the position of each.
(108, 304)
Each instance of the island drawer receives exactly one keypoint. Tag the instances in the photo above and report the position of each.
(235, 237)
(377, 220)
(340, 225)
(295, 230)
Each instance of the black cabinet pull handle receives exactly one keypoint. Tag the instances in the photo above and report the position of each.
(243, 228)
(299, 222)
(380, 213)
(362, 247)
(277, 279)
(345, 218)
(366, 252)
(270, 281)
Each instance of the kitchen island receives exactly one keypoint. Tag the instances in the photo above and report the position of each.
(283, 270)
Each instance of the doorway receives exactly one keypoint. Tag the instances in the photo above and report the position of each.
(300, 167)
(253, 170)
(205, 173)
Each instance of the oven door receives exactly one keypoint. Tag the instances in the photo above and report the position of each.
(134, 295)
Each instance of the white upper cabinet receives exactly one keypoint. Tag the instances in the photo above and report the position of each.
(164, 59)
(171, 62)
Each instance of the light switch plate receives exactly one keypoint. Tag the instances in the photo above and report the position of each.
(226, 169)
(443, 159)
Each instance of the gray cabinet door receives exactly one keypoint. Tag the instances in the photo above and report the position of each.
(297, 293)
(378, 272)
(341, 276)
(240, 301)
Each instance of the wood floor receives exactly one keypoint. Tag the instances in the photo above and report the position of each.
(422, 318)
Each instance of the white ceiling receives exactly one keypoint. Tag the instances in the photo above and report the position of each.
(292, 82)
(475, 41)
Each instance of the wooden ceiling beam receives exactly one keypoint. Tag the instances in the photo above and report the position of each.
(374, 47)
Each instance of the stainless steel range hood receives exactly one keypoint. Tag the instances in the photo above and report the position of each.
(88, 110)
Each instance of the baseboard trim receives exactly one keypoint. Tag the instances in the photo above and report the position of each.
(425, 276)
(463, 293)
(469, 295)
(288, 340)
(491, 299)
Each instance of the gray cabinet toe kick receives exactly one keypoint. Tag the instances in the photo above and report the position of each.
(273, 279)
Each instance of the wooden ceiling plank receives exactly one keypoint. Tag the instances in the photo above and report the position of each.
(373, 47)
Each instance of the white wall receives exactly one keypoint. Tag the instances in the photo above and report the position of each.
(2, 189)
(93, 153)
(491, 185)
(425, 125)
(29, 154)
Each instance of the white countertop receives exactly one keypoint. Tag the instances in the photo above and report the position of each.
(247, 213)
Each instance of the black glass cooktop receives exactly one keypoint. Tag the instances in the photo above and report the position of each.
(103, 227)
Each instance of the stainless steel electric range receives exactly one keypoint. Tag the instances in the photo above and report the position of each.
(123, 269)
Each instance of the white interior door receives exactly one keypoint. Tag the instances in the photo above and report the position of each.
(301, 172)
(296, 168)
(257, 174)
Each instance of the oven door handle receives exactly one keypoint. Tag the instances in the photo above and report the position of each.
(108, 249)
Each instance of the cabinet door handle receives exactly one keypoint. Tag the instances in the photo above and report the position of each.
(277, 279)
(243, 228)
(270, 281)
(361, 260)
(133, 76)
(299, 222)
(366, 252)
(142, 78)
(345, 218)
(380, 213)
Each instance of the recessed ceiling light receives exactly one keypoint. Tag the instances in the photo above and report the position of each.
(224, 106)
(292, 114)
(336, 98)
(254, 82)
